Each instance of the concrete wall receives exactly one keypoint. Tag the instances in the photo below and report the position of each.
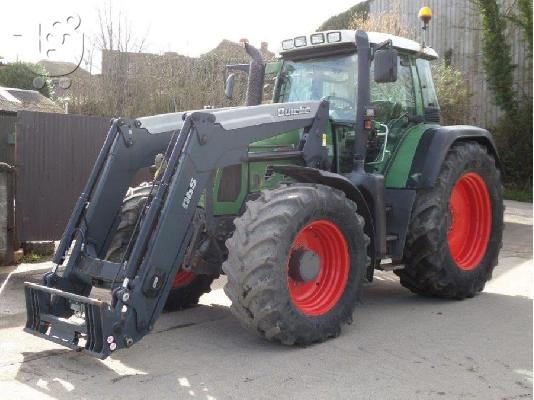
(455, 30)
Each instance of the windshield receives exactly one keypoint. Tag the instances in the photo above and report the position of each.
(331, 77)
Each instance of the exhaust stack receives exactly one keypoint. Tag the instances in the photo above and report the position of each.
(256, 76)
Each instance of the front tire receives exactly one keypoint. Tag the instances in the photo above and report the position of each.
(187, 287)
(296, 263)
(455, 233)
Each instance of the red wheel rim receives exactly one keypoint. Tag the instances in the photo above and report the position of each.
(320, 294)
(182, 278)
(470, 224)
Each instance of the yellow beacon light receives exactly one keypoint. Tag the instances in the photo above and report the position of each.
(425, 14)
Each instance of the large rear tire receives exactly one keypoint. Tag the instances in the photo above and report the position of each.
(455, 233)
(296, 263)
(187, 287)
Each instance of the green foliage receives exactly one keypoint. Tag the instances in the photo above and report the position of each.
(452, 92)
(518, 195)
(498, 56)
(523, 20)
(344, 19)
(32, 258)
(21, 75)
(513, 132)
(514, 141)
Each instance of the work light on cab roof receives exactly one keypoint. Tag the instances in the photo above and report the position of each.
(316, 38)
(347, 39)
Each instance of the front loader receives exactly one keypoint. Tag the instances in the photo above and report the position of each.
(297, 202)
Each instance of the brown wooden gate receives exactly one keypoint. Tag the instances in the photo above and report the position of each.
(54, 156)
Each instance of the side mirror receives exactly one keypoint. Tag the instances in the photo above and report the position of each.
(229, 86)
(385, 65)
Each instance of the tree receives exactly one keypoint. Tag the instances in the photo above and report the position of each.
(513, 132)
(113, 93)
(22, 75)
(115, 31)
(343, 20)
(523, 20)
(498, 57)
(386, 22)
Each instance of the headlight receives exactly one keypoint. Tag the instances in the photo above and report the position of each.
(300, 41)
(317, 38)
(333, 37)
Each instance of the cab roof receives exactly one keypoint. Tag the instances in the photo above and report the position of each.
(344, 37)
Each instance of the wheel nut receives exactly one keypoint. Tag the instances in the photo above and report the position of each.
(125, 297)
(112, 346)
(110, 339)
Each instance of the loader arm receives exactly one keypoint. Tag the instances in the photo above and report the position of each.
(195, 144)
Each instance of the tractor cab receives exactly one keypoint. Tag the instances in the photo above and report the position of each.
(401, 93)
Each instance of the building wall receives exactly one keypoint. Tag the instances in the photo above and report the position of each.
(455, 30)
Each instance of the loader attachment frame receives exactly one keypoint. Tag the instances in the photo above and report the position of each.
(195, 145)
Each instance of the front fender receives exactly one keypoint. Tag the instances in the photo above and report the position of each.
(313, 175)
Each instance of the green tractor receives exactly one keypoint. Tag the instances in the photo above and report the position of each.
(297, 202)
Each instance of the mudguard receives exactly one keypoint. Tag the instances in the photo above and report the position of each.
(313, 175)
(433, 147)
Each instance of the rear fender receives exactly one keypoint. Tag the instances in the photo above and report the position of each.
(434, 146)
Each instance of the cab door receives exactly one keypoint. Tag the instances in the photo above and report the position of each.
(397, 108)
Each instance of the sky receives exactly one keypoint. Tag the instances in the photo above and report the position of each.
(188, 27)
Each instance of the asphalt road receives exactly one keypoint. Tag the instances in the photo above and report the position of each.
(400, 346)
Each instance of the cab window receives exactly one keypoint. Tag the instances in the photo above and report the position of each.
(333, 78)
(430, 99)
(394, 100)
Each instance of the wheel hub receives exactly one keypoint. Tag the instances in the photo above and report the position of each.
(304, 265)
(318, 268)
